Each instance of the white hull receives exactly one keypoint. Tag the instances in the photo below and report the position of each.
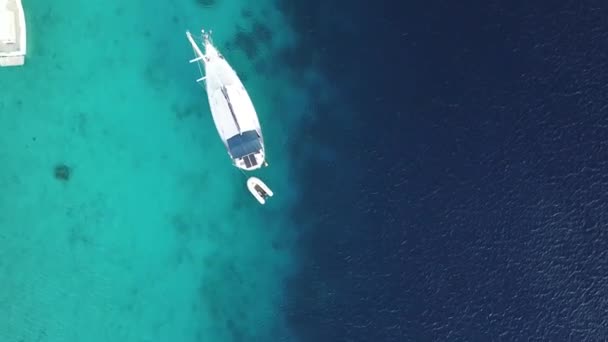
(13, 33)
(259, 190)
(233, 112)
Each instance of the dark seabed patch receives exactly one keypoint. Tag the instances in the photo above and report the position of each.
(246, 13)
(261, 32)
(206, 3)
(246, 42)
(155, 76)
(226, 282)
(261, 66)
(62, 172)
(182, 111)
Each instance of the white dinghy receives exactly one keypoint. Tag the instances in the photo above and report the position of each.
(258, 189)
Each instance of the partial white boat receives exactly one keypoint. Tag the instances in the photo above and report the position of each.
(13, 34)
(233, 112)
(258, 189)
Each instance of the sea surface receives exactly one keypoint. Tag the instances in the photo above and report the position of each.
(440, 172)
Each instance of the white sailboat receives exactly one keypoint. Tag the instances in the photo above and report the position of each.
(13, 34)
(233, 112)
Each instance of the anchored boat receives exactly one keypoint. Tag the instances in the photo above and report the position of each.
(233, 113)
(13, 37)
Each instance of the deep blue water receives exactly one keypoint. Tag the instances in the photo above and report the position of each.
(466, 198)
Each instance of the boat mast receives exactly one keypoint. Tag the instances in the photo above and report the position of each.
(199, 54)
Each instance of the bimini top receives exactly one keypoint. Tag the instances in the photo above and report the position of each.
(241, 145)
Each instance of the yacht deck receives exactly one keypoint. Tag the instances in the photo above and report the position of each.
(12, 33)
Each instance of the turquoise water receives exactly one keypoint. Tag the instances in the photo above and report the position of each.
(154, 237)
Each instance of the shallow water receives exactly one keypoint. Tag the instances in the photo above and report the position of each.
(154, 236)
